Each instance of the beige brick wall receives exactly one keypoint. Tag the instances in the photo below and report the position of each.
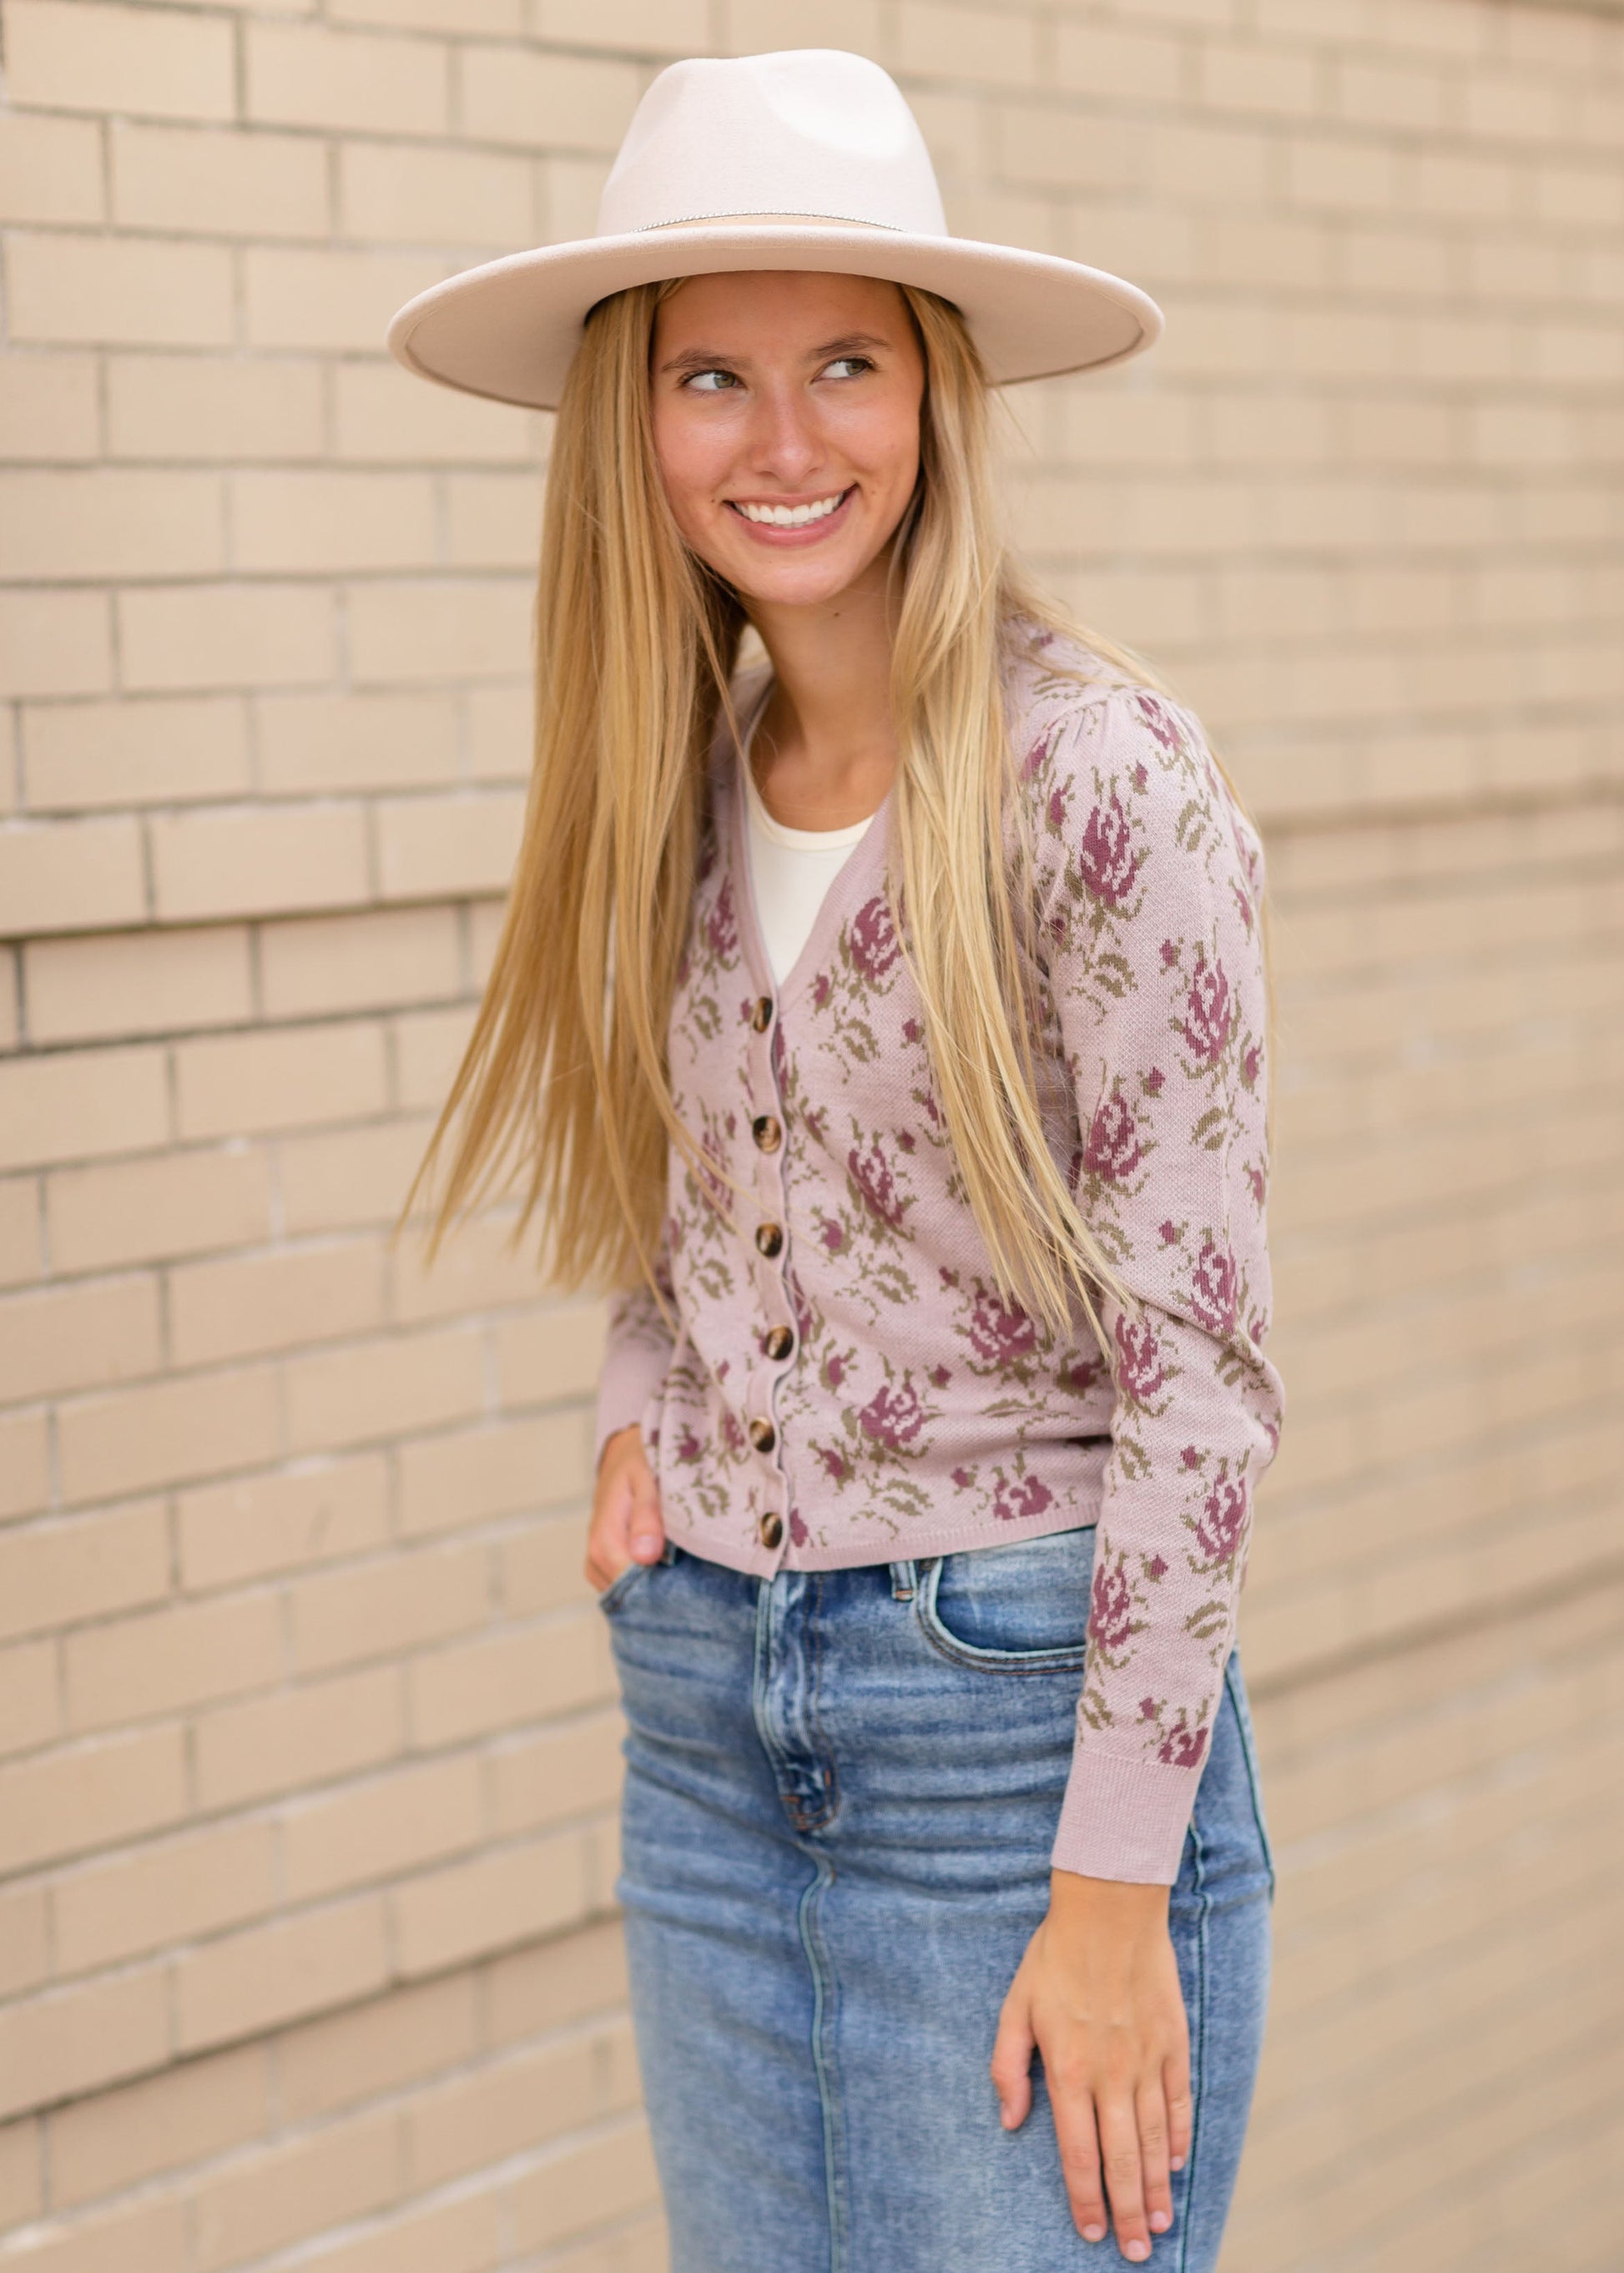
(307, 1730)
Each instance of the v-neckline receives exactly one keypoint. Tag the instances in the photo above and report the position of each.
(833, 907)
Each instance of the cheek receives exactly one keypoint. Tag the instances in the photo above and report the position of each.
(689, 466)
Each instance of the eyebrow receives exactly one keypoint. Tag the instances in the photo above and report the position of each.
(708, 359)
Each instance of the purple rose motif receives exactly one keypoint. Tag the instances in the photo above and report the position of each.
(1110, 1610)
(893, 1417)
(1139, 1369)
(1079, 1376)
(1151, 1083)
(910, 1030)
(732, 1434)
(1107, 862)
(1213, 1293)
(832, 1235)
(690, 1448)
(1013, 1501)
(820, 990)
(1223, 1519)
(873, 939)
(1156, 1568)
(870, 1172)
(1057, 806)
(1157, 718)
(1112, 1149)
(1037, 757)
(1001, 1333)
(721, 926)
(798, 1531)
(834, 1371)
(1209, 1018)
(1182, 1748)
(834, 1461)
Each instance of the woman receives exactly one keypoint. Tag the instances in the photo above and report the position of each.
(889, 1020)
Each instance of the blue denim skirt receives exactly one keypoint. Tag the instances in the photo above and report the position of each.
(841, 1790)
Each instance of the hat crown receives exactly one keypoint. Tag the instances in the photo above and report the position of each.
(807, 131)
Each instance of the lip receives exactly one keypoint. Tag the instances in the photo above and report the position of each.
(812, 532)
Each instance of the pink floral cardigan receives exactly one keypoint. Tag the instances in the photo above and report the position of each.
(846, 1386)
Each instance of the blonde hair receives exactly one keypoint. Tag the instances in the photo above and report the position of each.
(637, 644)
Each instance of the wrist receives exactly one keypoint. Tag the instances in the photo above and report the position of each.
(1071, 1894)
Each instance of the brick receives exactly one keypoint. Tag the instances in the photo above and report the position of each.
(22, 2194)
(462, 1477)
(77, 55)
(307, 75)
(401, 193)
(551, 1984)
(171, 1890)
(55, 643)
(145, 2234)
(112, 985)
(498, 1680)
(461, 2235)
(429, 1044)
(193, 638)
(504, 1896)
(258, 1526)
(25, 1944)
(48, 408)
(481, 1270)
(284, 1079)
(1585, 197)
(202, 407)
(670, 27)
(428, 847)
(81, 755)
(360, 962)
(289, 521)
(257, 859)
(528, 101)
(50, 169)
(385, 1607)
(331, 743)
(66, 2041)
(1265, 81)
(65, 1803)
(145, 1211)
(399, 2038)
(1102, 59)
(159, 1661)
(330, 299)
(190, 2113)
(1400, 96)
(467, 18)
(298, 2187)
(1341, 176)
(409, 633)
(758, 26)
(162, 1432)
(500, 733)
(62, 1574)
(30, 1716)
(64, 875)
(298, 1738)
(244, 1982)
(236, 1306)
(539, 1566)
(990, 46)
(547, 1354)
(218, 184)
(129, 291)
(576, 2188)
(493, 520)
(25, 1464)
(80, 1105)
(541, 1781)
(22, 1259)
(346, 1177)
(1047, 147)
(382, 417)
(506, 2109)
(382, 1828)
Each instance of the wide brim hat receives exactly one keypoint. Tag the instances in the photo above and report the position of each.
(810, 158)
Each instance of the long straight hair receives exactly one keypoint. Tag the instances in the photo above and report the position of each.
(638, 642)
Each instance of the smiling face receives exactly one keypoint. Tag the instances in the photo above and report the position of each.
(785, 407)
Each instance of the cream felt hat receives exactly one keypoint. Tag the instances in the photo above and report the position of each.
(809, 158)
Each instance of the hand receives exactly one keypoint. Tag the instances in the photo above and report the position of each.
(626, 1525)
(1097, 1994)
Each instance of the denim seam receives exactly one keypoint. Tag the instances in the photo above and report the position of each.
(823, 2065)
(824, 1755)
(1018, 1663)
(1198, 2064)
(1244, 1721)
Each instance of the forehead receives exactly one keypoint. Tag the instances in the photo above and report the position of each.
(746, 303)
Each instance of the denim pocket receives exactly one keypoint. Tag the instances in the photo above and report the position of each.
(624, 1582)
(1018, 1609)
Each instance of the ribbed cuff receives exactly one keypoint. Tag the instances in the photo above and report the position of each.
(630, 1376)
(1124, 1819)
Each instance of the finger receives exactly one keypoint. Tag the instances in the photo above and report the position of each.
(608, 1542)
(1012, 2062)
(646, 1529)
(1077, 2132)
(1120, 2153)
(1180, 2106)
(1154, 2136)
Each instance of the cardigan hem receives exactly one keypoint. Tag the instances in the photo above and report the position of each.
(912, 1546)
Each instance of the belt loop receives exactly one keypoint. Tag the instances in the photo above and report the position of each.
(902, 1582)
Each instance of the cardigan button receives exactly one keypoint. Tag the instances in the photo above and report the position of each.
(760, 1013)
(770, 1530)
(778, 1341)
(767, 1132)
(762, 1435)
(770, 1239)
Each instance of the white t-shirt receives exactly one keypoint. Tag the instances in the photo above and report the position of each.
(791, 869)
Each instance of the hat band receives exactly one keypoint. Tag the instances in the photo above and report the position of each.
(772, 219)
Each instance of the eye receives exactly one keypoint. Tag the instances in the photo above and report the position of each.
(694, 379)
(862, 362)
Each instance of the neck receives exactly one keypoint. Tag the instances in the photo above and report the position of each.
(824, 751)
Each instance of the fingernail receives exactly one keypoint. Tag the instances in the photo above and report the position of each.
(1178, 2163)
(1093, 2233)
(1159, 2221)
(1137, 2249)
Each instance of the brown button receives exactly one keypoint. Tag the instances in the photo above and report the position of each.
(761, 1014)
(778, 1341)
(762, 1435)
(769, 1238)
(771, 1530)
(767, 1131)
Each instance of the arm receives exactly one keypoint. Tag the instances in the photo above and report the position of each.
(626, 1523)
(637, 1350)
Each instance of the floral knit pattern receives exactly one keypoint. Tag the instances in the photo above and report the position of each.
(918, 1412)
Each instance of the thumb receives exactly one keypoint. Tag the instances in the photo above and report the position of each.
(648, 1532)
(1012, 2061)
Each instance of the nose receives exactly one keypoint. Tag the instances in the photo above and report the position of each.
(785, 441)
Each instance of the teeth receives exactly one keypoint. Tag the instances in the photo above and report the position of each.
(791, 516)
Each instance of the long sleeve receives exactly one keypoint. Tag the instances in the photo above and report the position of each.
(638, 1349)
(1150, 885)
